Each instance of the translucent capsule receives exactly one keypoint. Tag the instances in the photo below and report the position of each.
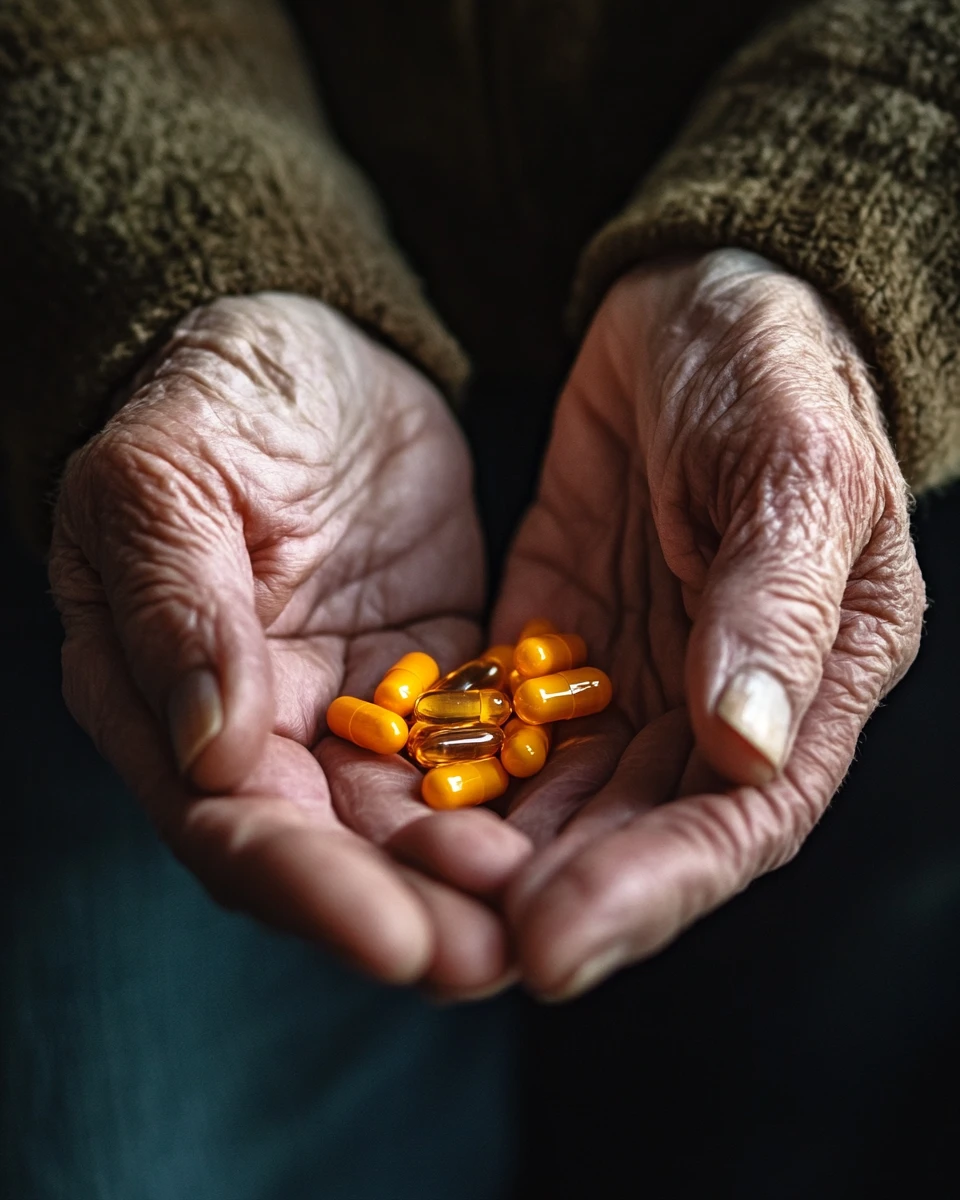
(367, 725)
(405, 681)
(550, 652)
(437, 745)
(525, 748)
(487, 706)
(461, 785)
(562, 696)
(536, 626)
(503, 654)
(490, 670)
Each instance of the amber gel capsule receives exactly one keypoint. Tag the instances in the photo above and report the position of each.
(536, 626)
(487, 706)
(550, 652)
(461, 785)
(525, 748)
(562, 696)
(367, 725)
(408, 678)
(490, 670)
(437, 745)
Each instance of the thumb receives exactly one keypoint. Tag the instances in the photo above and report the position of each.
(169, 549)
(766, 621)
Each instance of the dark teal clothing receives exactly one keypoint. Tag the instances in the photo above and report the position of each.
(157, 1048)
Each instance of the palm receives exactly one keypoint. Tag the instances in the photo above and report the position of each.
(589, 555)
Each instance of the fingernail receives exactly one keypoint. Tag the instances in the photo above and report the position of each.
(195, 716)
(594, 971)
(756, 706)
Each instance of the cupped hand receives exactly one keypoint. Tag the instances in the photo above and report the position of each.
(722, 518)
(278, 512)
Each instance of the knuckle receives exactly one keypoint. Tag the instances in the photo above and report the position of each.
(136, 473)
(732, 838)
(796, 805)
(713, 831)
(147, 507)
(804, 480)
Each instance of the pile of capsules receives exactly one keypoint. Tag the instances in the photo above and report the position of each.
(484, 722)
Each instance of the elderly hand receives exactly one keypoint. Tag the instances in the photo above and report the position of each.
(722, 518)
(280, 511)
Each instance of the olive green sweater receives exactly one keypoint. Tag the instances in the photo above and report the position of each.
(156, 154)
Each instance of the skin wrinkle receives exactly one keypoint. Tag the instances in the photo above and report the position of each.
(347, 469)
(160, 525)
(801, 488)
(125, 472)
(372, 557)
(713, 842)
(786, 479)
(233, 352)
(533, 558)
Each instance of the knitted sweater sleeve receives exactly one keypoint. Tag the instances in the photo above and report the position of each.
(154, 155)
(830, 145)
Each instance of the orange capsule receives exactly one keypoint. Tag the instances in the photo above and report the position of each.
(550, 652)
(437, 745)
(562, 696)
(461, 785)
(405, 681)
(367, 725)
(490, 670)
(536, 626)
(487, 706)
(514, 679)
(525, 748)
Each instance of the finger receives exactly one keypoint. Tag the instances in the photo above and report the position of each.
(630, 893)
(770, 609)
(264, 856)
(473, 850)
(276, 851)
(471, 954)
(582, 758)
(379, 797)
(170, 554)
(698, 776)
(646, 776)
(373, 794)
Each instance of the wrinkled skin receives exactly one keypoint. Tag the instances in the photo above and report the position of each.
(286, 505)
(280, 511)
(719, 494)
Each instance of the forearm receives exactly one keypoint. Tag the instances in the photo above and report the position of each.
(829, 146)
(157, 155)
